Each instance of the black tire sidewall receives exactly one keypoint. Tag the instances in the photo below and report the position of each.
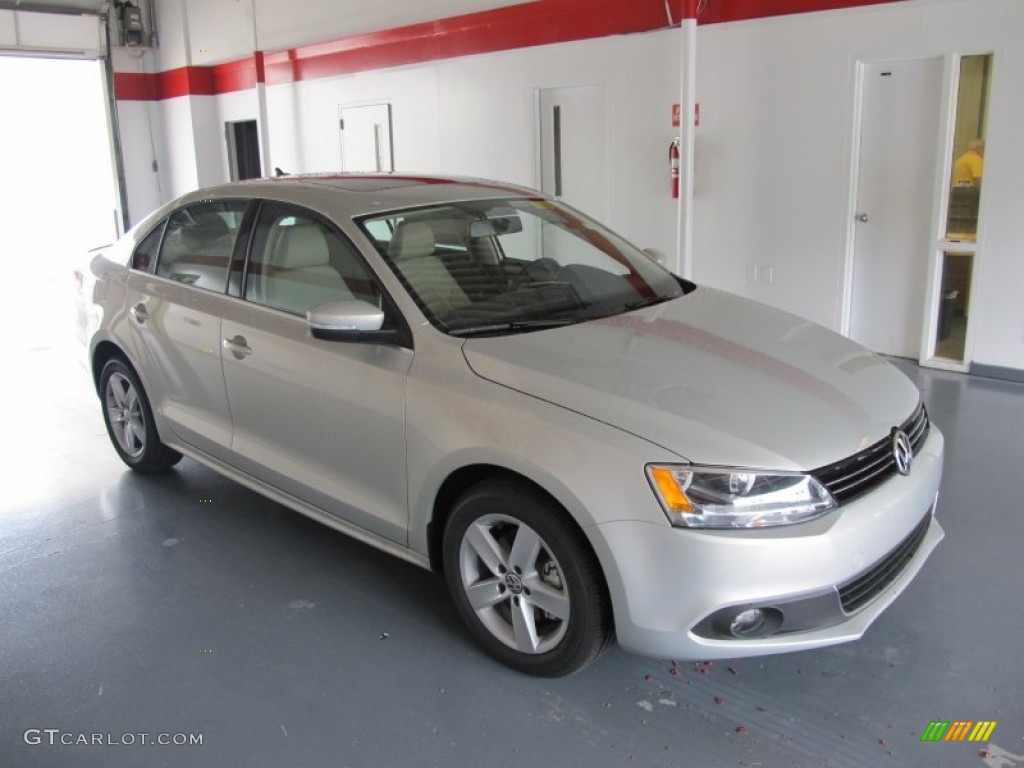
(586, 630)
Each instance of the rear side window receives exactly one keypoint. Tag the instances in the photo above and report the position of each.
(198, 243)
(144, 258)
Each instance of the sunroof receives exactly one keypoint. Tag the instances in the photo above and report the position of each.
(370, 183)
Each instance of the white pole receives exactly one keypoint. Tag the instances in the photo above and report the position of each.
(261, 97)
(688, 111)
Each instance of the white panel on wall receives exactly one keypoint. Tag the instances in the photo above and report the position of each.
(8, 30)
(366, 138)
(209, 140)
(137, 146)
(178, 151)
(54, 31)
(221, 31)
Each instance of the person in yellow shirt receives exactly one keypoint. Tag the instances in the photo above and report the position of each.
(968, 167)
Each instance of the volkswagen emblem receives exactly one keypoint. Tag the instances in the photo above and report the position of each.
(902, 451)
(514, 583)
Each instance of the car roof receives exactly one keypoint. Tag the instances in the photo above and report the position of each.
(363, 193)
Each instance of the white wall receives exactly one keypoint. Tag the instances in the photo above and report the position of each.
(773, 159)
(773, 164)
(473, 116)
(476, 116)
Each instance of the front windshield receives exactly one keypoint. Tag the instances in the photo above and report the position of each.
(507, 266)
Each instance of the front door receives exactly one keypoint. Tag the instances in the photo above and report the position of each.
(895, 202)
(323, 421)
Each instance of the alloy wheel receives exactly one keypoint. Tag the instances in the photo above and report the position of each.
(514, 584)
(124, 413)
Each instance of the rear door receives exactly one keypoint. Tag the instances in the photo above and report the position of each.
(176, 316)
(323, 421)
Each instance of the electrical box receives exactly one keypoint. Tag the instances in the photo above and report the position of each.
(131, 24)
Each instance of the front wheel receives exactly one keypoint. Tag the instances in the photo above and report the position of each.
(129, 421)
(525, 581)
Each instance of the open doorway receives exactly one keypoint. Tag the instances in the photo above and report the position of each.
(959, 245)
(243, 137)
(57, 189)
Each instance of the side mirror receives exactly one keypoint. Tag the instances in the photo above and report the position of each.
(351, 320)
(655, 255)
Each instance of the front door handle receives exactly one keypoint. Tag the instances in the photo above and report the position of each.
(238, 346)
(862, 218)
(140, 313)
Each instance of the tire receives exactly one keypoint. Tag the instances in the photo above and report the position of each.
(129, 421)
(525, 581)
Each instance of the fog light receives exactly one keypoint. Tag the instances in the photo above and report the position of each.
(747, 622)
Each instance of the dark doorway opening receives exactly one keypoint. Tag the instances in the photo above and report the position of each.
(244, 150)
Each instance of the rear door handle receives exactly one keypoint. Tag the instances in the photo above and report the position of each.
(140, 313)
(238, 346)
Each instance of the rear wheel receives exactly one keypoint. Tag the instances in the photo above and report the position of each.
(525, 581)
(129, 421)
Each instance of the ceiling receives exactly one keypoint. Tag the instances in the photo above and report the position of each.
(365, 15)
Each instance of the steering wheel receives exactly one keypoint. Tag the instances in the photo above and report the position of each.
(543, 270)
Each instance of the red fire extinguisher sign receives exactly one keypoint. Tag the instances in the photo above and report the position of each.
(673, 164)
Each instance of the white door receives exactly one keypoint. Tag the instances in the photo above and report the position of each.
(366, 138)
(895, 200)
(574, 147)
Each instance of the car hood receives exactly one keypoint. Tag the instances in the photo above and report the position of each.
(712, 377)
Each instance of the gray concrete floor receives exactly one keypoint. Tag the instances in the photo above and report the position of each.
(187, 604)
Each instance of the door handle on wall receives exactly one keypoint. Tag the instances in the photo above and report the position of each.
(862, 218)
(238, 347)
(557, 114)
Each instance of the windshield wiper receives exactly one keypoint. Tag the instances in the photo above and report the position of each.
(511, 326)
(648, 301)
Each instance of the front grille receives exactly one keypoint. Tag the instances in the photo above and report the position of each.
(849, 478)
(857, 593)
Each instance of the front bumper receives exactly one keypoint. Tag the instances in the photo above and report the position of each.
(670, 587)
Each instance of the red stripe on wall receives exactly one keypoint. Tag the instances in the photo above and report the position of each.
(238, 75)
(520, 26)
(184, 81)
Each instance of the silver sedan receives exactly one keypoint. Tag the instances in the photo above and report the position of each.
(483, 381)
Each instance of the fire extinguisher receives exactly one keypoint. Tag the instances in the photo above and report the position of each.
(673, 164)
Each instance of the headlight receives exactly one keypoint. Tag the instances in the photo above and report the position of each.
(722, 497)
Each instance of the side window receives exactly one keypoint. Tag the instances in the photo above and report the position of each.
(381, 231)
(297, 262)
(144, 258)
(198, 244)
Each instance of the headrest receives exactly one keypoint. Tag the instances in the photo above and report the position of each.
(412, 239)
(302, 246)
